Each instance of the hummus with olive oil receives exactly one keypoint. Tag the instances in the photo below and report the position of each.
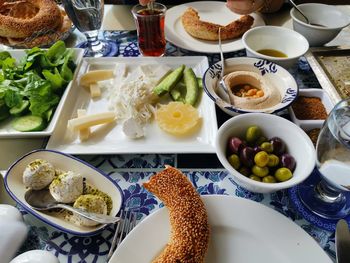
(271, 94)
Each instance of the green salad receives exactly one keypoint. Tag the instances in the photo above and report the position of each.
(31, 89)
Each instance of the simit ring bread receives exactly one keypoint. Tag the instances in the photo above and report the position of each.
(188, 217)
(210, 31)
(20, 19)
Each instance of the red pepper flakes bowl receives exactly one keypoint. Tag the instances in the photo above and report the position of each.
(310, 112)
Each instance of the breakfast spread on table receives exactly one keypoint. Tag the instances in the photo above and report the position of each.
(188, 217)
(67, 187)
(168, 106)
(210, 31)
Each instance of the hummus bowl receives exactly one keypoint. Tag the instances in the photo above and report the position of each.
(278, 86)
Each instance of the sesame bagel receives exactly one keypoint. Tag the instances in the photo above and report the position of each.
(20, 19)
(188, 217)
(210, 31)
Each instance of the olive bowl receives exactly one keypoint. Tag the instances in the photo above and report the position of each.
(297, 143)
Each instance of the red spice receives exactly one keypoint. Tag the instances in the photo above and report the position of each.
(309, 108)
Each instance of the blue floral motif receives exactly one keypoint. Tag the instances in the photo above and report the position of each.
(131, 50)
(280, 202)
(36, 239)
(210, 189)
(242, 192)
(265, 66)
(289, 95)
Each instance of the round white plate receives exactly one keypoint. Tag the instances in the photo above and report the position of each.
(211, 11)
(242, 231)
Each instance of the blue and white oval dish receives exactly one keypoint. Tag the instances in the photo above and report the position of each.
(272, 73)
(15, 187)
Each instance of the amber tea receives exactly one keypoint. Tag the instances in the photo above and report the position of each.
(150, 29)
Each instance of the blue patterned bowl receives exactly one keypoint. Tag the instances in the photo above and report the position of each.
(269, 71)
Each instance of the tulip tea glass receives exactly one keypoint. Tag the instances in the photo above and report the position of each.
(330, 197)
(150, 29)
(87, 16)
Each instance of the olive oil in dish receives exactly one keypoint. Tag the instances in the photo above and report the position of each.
(272, 53)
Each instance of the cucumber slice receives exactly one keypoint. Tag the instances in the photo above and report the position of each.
(19, 110)
(29, 123)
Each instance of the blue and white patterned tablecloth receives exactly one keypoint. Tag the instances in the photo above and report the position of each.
(130, 171)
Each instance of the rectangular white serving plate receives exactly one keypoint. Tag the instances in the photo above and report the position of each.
(110, 139)
(6, 131)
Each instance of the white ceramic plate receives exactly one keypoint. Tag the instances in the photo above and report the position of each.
(111, 139)
(242, 231)
(6, 131)
(16, 189)
(210, 11)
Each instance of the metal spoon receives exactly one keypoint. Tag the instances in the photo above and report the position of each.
(43, 200)
(305, 17)
(222, 89)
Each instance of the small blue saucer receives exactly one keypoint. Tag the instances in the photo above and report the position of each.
(112, 49)
(306, 213)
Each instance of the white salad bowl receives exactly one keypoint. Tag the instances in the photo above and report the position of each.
(298, 144)
(332, 19)
(16, 189)
(273, 74)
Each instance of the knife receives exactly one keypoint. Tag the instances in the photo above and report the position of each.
(342, 242)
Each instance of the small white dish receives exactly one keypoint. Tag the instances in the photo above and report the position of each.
(10, 213)
(282, 39)
(211, 11)
(35, 256)
(16, 189)
(273, 74)
(111, 139)
(272, 126)
(6, 130)
(326, 101)
(331, 17)
(242, 231)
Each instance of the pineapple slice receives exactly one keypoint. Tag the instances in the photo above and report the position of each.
(177, 118)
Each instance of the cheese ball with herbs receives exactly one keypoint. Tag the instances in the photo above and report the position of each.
(67, 187)
(38, 174)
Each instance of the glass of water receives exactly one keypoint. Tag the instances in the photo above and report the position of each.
(87, 16)
(330, 197)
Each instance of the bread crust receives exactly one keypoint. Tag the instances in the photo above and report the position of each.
(210, 31)
(188, 217)
(47, 17)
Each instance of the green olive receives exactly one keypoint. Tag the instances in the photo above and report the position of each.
(267, 147)
(255, 178)
(261, 159)
(260, 140)
(260, 171)
(233, 159)
(244, 170)
(273, 160)
(283, 174)
(252, 133)
(269, 179)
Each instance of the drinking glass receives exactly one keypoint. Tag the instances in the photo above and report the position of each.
(330, 197)
(150, 29)
(87, 16)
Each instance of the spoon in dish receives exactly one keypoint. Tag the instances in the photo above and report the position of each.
(43, 200)
(304, 16)
(222, 89)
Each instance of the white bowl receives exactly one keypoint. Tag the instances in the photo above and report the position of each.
(296, 140)
(326, 101)
(272, 73)
(282, 39)
(15, 187)
(329, 16)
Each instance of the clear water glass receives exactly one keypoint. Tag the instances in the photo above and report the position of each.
(330, 197)
(87, 16)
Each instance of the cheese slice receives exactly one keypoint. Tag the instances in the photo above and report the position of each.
(95, 76)
(84, 133)
(90, 120)
(95, 90)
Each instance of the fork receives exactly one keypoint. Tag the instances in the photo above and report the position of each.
(124, 226)
(222, 89)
